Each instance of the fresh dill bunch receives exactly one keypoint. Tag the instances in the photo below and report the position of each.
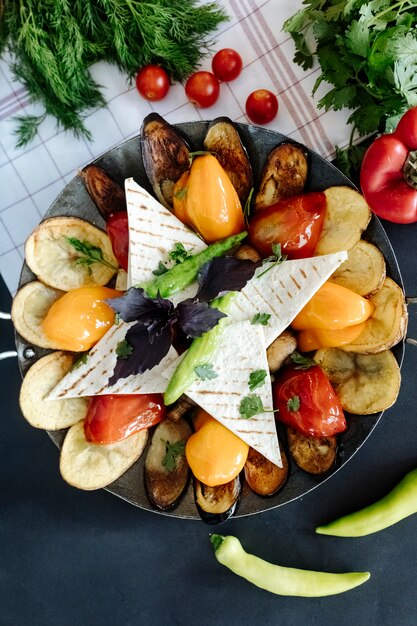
(53, 43)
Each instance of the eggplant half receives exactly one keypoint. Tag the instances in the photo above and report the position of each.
(216, 504)
(223, 139)
(106, 194)
(315, 455)
(165, 156)
(166, 468)
(262, 476)
(283, 175)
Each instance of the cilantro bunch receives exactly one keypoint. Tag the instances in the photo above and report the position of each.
(367, 52)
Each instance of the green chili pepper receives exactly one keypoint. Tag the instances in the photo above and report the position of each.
(283, 581)
(200, 351)
(183, 274)
(392, 508)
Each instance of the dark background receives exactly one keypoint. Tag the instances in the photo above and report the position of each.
(70, 558)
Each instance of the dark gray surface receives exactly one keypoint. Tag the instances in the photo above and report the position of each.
(69, 558)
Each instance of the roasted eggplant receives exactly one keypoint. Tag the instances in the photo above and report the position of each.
(263, 477)
(223, 139)
(216, 504)
(165, 156)
(280, 349)
(284, 174)
(315, 455)
(178, 410)
(166, 468)
(106, 194)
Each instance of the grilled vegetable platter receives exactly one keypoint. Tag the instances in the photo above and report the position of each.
(190, 361)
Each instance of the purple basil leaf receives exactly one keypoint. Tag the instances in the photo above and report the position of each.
(144, 355)
(196, 318)
(135, 305)
(223, 274)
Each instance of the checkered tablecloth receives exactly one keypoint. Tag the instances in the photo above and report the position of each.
(32, 177)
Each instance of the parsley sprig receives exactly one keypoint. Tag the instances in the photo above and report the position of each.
(88, 254)
(172, 452)
(275, 259)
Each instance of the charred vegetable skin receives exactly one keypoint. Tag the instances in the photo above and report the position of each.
(398, 504)
(106, 194)
(283, 581)
(216, 504)
(166, 468)
(165, 155)
(389, 172)
(283, 175)
(222, 139)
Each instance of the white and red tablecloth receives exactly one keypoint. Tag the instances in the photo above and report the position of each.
(31, 177)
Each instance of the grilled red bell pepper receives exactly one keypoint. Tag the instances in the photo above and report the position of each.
(389, 172)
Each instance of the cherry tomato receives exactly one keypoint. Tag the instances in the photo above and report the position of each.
(227, 64)
(152, 82)
(117, 227)
(115, 417)
(307, 402)
(261, 106)
(202, 89)
(295, 223)
(80, 318)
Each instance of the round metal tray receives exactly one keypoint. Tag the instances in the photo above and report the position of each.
(125, 161)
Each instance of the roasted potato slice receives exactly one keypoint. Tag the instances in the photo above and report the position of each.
(91, 466)
(39, 381)
(263, 477)
(284, 174)
(30, 306)
(223, 139)
(315, 455)
(57, 263)
(280, 349)
(347, 216)
(364, 271)
(165, 156)
(166, 468)
(247, 253)
(387, 324)
(121, 280)
(364, 383)
(106, 194)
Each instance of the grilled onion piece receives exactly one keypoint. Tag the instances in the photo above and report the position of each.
(364, 383)
(263, 477)
(166, 468)
(284, 174)
(165, 156)
(223, 139)
(315, 455)
(106, 194)
(216, 504)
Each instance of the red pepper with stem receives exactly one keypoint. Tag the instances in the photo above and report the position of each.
(389, 172)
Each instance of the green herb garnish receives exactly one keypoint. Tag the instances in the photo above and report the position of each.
(256, 379)
(172, 452)
(89, 254)
(179, 254)
(275, 259)
(82, 360)
(205, 371)
(124, 349)
(250, 406)
(261, 318)
(302, 362)
(247, 207)
(293, 404)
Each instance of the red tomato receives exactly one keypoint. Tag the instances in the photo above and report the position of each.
(152, 82)
(295, 223)
(115, 417)
(261, 106)
(202, 89)
(118, 231)
(307, 402)
(227, 64)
